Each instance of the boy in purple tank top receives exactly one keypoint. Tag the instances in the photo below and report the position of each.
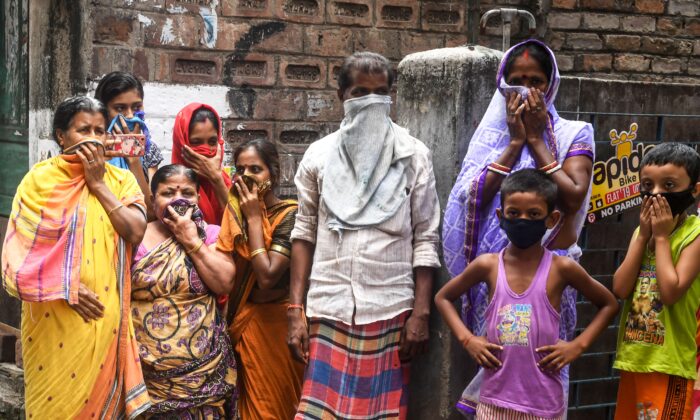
(521, 352)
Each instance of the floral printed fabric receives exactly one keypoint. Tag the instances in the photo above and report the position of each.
(186, 354)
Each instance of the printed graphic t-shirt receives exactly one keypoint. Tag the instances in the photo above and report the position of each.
(654, 337)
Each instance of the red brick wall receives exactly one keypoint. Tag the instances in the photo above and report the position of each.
(278, 59)
(649, 40)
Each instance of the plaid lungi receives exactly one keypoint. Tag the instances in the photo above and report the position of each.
(354, 371)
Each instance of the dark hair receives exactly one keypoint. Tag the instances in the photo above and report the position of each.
(116, 83)
(676, 154)
(202, 114)
(531, 180)
(536, 51)
(365, 62)
(66, 110)
(267, 152)
(165, 172)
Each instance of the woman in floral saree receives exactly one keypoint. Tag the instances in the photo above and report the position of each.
(187, 358)
(66, 253)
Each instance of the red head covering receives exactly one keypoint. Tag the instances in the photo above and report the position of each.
(208, 203)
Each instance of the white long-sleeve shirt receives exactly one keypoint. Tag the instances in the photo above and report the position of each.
(367, 275)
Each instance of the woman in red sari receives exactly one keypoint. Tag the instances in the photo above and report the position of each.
(198, 144)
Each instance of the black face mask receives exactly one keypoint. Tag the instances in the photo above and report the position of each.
(523, 233)
(678, 201)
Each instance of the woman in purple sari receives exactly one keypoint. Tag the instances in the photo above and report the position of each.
(521, 129)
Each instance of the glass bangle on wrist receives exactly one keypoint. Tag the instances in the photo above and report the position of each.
(499, 169)
(549, 166)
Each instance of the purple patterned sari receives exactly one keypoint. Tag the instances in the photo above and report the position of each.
(470, 226)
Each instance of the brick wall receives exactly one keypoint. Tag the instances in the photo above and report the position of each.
(649, 40)
(275, 60)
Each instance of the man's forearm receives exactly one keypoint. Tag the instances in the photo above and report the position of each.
(423, 291)
(300, 269)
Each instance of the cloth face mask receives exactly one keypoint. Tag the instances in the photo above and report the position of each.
(263, 186)
(71, 150)
(506, 89)
(181, 205)
(523, 233)
(677, 201)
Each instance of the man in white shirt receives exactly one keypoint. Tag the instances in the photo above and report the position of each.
(365, 244)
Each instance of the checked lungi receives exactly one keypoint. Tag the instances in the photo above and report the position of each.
(354, 371)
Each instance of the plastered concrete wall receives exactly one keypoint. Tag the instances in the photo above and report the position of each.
(442, 95)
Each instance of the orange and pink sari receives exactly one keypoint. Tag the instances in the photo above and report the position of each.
(59, 237)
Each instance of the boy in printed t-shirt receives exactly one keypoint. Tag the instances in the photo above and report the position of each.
(658, 279)
(522, 351)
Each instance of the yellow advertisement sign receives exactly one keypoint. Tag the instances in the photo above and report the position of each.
(616, 180)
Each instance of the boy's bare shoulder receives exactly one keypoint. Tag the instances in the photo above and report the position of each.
(486, 260)
(483, 264)
(565, 264)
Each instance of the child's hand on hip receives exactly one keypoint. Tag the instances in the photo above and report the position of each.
(480, 350)
(560, 355)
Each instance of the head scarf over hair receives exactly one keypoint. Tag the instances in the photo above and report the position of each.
(470, 226)
(208, 202)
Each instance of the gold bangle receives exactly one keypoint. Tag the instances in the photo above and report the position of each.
(257, 252)
(280, 250)
(109, 213)
(196, 247)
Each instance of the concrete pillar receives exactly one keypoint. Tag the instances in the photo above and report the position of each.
(442, 95)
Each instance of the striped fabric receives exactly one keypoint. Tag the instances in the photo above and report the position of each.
(492, 412)
(354, 372)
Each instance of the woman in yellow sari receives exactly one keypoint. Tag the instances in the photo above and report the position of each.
(177, 274)
(256, 228)
(66, 256)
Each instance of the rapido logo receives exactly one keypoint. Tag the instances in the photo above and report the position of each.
(616, 180)
(623, 168)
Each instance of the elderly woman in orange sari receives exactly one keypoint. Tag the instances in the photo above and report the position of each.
(187, 357)
(66, 255)
(256, 228)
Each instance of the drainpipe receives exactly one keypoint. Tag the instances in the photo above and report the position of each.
(473, 12)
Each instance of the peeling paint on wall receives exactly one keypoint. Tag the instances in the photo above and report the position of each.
(166, 35)
(210, 19)
(175, 9)
(316, 104)
(41, 143)
(145, 20)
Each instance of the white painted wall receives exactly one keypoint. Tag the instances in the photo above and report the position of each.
(162, 102)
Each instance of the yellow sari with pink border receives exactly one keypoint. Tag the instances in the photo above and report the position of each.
(59, 237)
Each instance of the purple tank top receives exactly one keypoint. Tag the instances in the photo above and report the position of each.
(521, 323)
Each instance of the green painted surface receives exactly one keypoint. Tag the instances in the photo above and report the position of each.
(14, 95)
